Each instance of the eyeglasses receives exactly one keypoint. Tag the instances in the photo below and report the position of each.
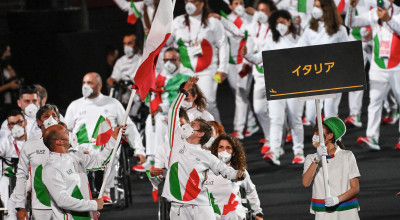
(20, 122)
(172, 60)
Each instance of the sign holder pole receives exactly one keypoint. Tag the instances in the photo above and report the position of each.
(322, 144)
(317, 99)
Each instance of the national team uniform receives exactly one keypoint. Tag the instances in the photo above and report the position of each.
(204, 50)
(342, 167)
(188, 166)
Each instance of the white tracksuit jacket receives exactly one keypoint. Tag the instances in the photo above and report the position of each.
(188, 165)
(87, 111)
(215, 53)
(34, 155)
(226, 198)
(66, 181)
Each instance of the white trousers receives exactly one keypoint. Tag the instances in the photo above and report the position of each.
(277, 110)
(4, 192)
(260, 104)
(390, 102)
(42, 214)
(355, 98)
(380, 81)
(209, 88)
(241, 88)
(155, 134)
(191, 212)
(330, 106)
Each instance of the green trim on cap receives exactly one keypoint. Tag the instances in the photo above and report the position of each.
(336, 125)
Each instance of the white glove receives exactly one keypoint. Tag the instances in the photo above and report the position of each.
(321, 151)
(331, 201)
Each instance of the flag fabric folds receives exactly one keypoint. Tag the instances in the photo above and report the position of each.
(159, 33)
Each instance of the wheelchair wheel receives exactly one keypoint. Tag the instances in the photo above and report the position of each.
(123, 180)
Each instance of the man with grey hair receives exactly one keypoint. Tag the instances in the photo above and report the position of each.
(42, 93)
(82, 116)
(33, 156)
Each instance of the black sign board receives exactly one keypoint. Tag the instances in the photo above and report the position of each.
(314, 70)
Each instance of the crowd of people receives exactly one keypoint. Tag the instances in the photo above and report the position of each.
(46, 157)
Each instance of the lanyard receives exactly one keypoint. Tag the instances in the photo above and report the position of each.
(16, 147)
(197, 34)
(259, 28)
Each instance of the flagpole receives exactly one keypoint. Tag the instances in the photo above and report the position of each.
(115, 149)
(322, 143)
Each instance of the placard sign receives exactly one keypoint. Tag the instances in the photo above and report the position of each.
(314, 70)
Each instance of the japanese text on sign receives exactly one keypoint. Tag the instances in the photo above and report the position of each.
(318, 68)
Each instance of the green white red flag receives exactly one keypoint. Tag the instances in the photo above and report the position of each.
(103, 131)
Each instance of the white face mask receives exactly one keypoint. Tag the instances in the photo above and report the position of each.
(169, 67)
(317, 13)
(315, 138)
(262, 17)
(49, 122)
(128, 51)
(86, 90)
(190, 8)
(282, 29)
(224, 156)
(186, 104)
(31, 110)
(239, 10)
(17, 131)
(187, 130)
(148, 2)
(73, 140)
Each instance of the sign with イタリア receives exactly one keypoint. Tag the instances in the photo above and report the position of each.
(314, 70)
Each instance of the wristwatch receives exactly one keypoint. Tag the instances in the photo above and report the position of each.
(18, 209)
(184, 92)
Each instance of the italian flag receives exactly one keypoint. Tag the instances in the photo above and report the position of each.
(182, 186)
(159, 33)
(82, 135)
(305, 6)
(199, 63)
(133, 14)
(103, 131)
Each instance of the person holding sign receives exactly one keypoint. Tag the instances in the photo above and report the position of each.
(284, 35)
(342, 166)
(188, 164)
(203, 47)
(325, 28)
(384, 73)
(258, 33)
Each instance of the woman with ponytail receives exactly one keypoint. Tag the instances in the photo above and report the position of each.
(343, 175)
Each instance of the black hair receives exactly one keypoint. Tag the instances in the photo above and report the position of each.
(272, 23)
(204, 14)
(29, 89)
(14, 112)
(271, 4)
(172, 49)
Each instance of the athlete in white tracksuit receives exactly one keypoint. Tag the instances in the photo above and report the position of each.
(240, 84)
(278, 108)
(65, 178)
(385, 68)
(188, 165)
(86, 112)
(33, 156)
(203, 49)
(258, 33)
(156, 137)
(321, 36)
(10, 148)
(364, 34)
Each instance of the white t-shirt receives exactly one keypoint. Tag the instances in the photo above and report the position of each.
(125, 68)
(341, 169)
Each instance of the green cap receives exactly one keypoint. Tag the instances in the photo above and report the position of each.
(336, 125)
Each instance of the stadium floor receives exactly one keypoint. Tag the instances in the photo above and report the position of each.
(279, 188)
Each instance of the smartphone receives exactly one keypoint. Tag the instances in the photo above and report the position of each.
(381, 3)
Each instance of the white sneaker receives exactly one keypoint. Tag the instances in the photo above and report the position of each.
(353, 120)
(370, 142)
(298, 159)
(251, 130)
(238, 135)
(271, 158)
